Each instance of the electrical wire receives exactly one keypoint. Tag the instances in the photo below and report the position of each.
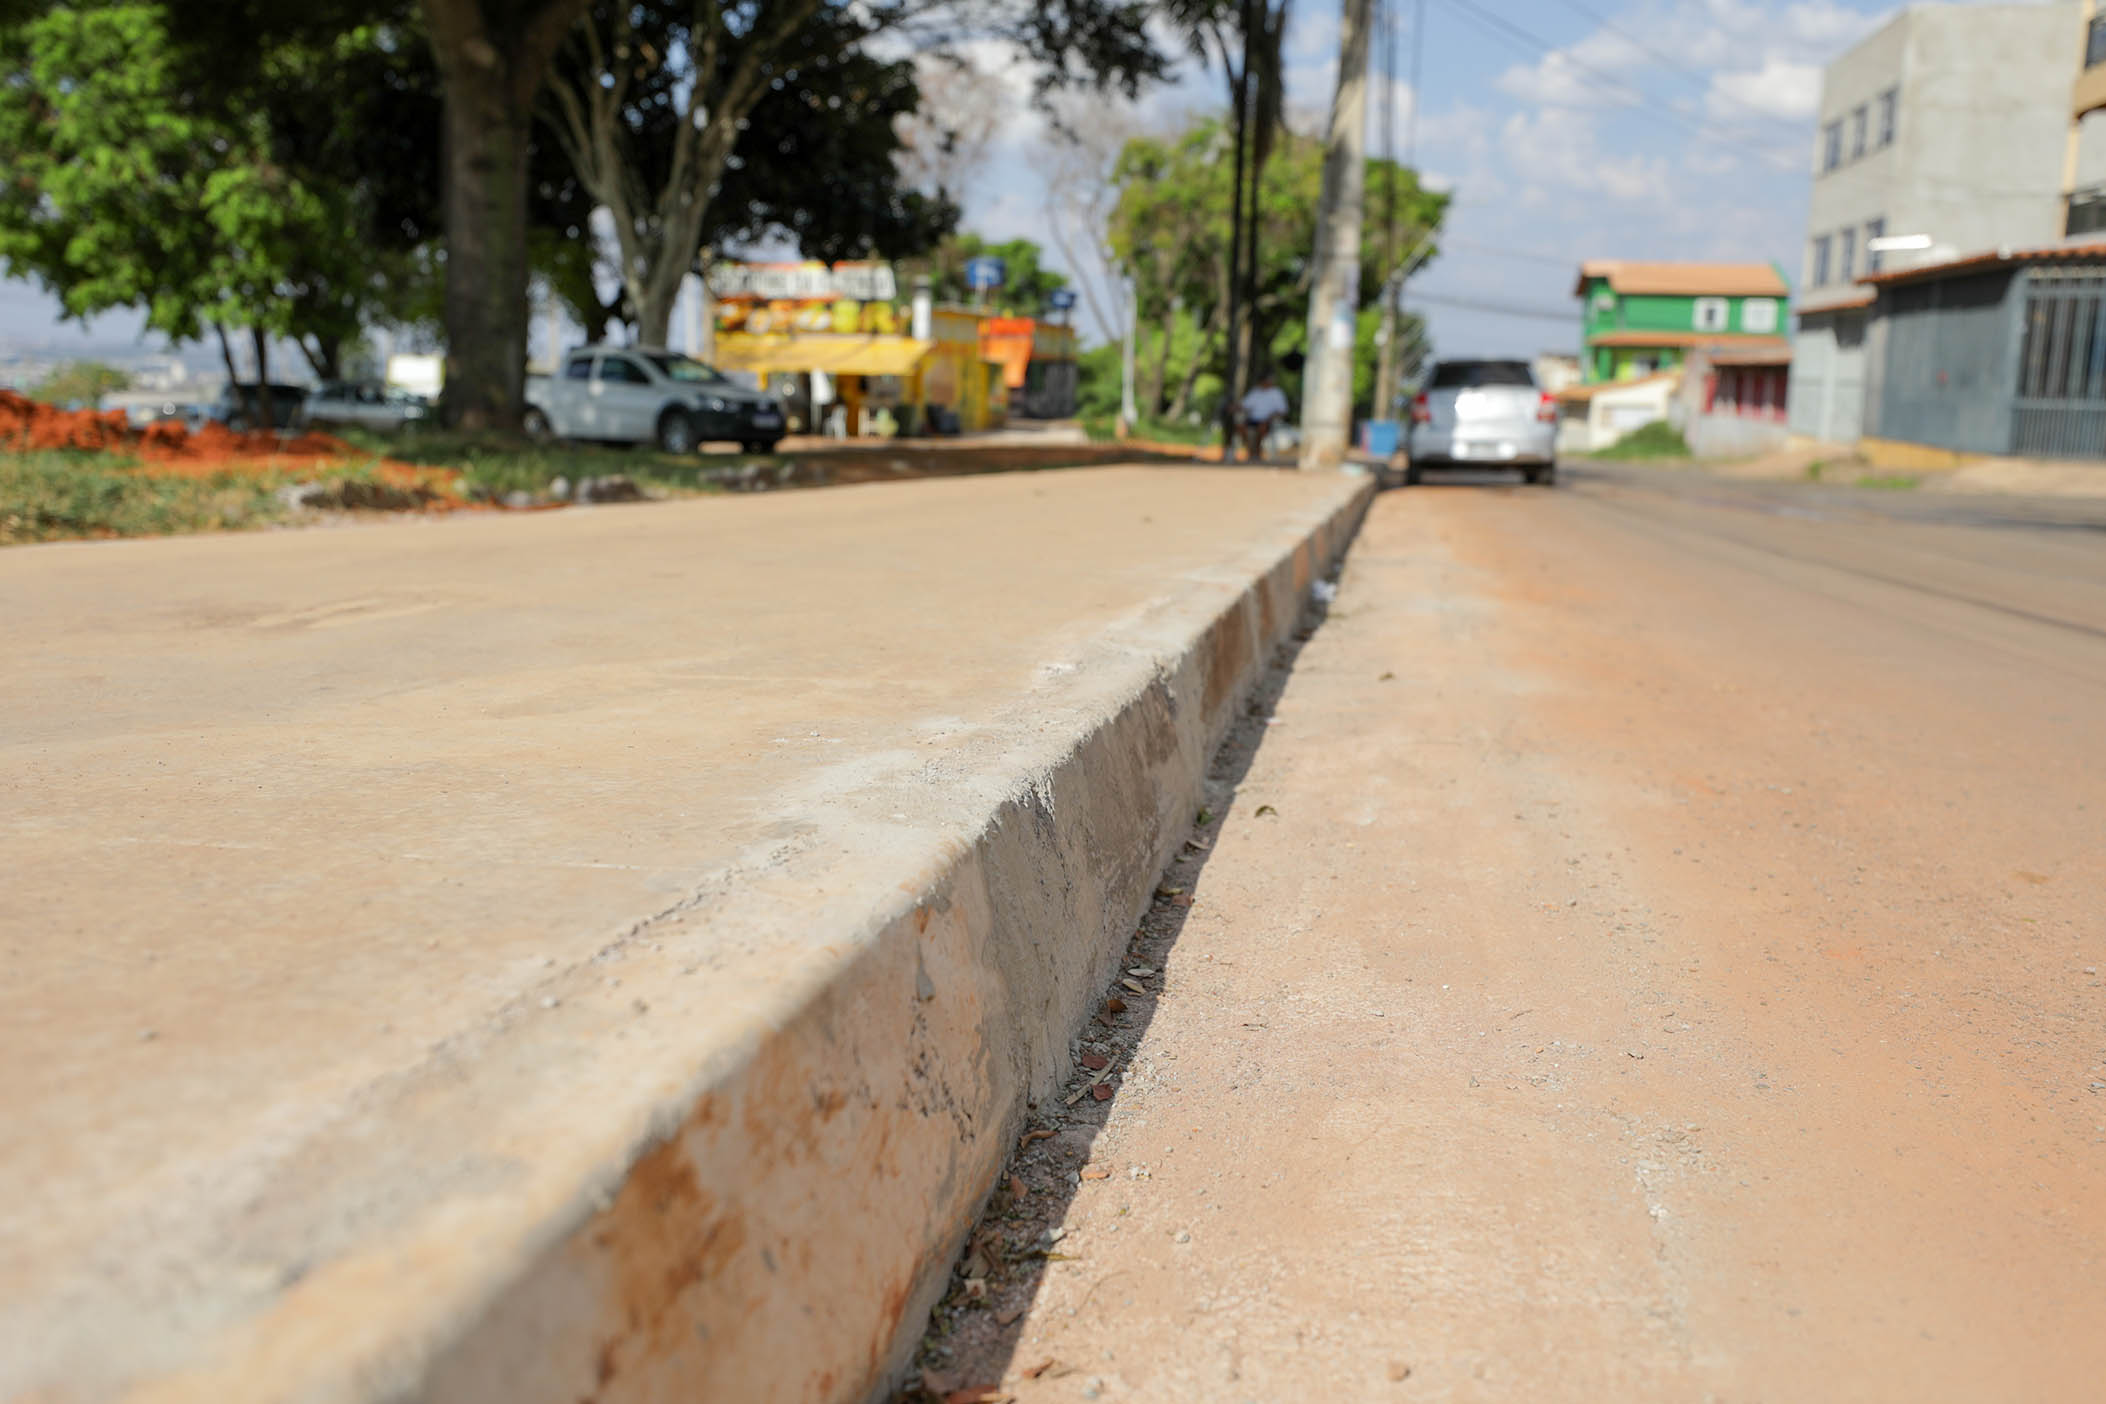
(1504, 309)
(1632, 95)
(1672, 64)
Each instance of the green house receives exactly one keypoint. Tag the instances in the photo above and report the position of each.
(1644, 318)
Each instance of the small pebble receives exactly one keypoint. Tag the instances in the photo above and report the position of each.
(1184, 1235)
(148, 1035)
(549, 1001)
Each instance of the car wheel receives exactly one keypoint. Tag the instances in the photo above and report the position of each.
(1545, 476)
(758, 446)
(676, 432)
(537, 426)
(1411, 475)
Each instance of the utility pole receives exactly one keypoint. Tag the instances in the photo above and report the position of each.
(1239, 95)
(1129, 413)
(1385, 397)
(1327, 381)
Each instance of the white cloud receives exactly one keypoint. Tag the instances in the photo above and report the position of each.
(1779, 89)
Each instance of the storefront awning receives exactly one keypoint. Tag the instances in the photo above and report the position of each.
(837, 355)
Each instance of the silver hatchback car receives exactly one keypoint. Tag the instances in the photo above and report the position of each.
(1483, 414)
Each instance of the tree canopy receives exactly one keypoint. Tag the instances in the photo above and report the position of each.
(1170, 235)
(149, 171)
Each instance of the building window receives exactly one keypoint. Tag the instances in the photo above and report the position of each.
(1832, 145)
(1759, 315)
(1889, 101)
(1875, 230)
(1859, 121)
(1819, 276)
(1711, 314)
(1846, 252)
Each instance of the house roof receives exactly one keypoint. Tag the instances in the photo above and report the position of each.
(1582, 393)
(1842, 301)
(1715, 340)
(1684, 279)
(1750, 356)
(1992, 258)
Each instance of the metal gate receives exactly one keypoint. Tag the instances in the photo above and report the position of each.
(2060, 408)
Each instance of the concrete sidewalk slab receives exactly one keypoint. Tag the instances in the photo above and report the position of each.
(598, 956)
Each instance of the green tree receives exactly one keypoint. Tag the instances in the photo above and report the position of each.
(1170, 234)
(80, 383)
(274, 193)
(815, 163)
(495, 57)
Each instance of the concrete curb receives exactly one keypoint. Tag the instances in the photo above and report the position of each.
(776, 1222)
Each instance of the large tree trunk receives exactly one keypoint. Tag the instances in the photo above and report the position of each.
(486, 258)
(491, 73)
(1159, 375)
(266, 412)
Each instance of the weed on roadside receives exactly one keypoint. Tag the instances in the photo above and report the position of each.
(52, 495)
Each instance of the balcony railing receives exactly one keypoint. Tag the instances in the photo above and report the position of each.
(2087, 210)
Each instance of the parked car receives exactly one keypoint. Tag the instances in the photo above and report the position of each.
(640, 394)
(369, 406)
(239, 404)
(1483, 414)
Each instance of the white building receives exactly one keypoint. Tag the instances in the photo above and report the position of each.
(1942, 133)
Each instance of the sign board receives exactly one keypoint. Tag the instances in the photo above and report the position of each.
(1061, 299)
(984, 273)
(803, 282)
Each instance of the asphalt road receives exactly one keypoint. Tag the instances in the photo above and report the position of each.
(1651, 951)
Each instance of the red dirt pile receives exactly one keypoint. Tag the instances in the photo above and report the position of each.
(30, 424)
(169, 448)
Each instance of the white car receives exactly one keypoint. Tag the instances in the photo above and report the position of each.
(368, 406)
(644, 395)
(1483, 414)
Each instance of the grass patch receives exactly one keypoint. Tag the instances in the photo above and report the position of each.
(1658, 439)
(494, 466)
(1104, 428)
(55, 494)
(1888, 482)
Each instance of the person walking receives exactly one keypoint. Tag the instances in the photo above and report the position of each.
(1264, 405)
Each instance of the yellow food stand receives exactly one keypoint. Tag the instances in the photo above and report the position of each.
(806, 320)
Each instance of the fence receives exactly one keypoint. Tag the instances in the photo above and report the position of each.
(2060, 407)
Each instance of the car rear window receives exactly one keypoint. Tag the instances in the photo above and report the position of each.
(1470, 375)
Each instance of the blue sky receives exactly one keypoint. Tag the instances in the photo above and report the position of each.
(1567, 129)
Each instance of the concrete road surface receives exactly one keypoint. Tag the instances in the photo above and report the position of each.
(324, 856)
(1652, 952)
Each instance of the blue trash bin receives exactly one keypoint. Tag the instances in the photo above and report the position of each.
(1378, 437)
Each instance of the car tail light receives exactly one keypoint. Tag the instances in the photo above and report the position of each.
(1421, 410)
(1547, 408)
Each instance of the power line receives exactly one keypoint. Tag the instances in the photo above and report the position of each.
(1525, 255)
(1672, 64)
(1635, 96)
(1504, 309)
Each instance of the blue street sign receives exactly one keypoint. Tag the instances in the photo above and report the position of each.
(984, 273)
(1060, 299)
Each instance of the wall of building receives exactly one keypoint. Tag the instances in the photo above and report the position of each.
(1981, 128)
(1828, 376)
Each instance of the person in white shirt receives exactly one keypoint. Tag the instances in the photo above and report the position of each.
(1264, 405)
